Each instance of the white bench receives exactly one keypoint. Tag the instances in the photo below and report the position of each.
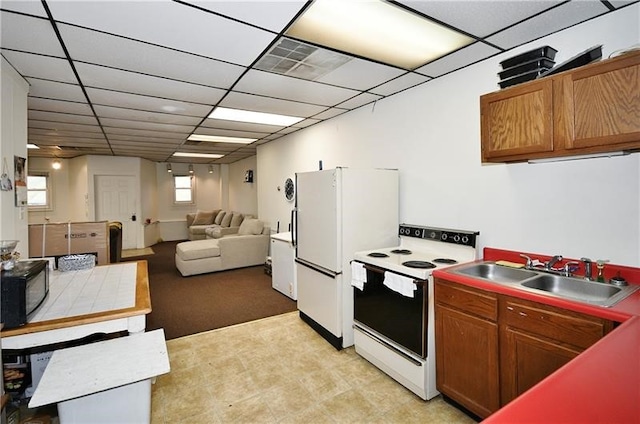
(105, 382)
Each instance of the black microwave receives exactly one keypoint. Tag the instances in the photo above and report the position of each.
(23, 289)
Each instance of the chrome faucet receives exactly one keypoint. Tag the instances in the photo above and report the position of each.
(549, 265)
(587, 268)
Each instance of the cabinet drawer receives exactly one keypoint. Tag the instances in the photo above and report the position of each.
(467, 299)
(558, 324)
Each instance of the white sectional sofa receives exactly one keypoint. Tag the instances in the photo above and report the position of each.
(248, 247)
(214, 224)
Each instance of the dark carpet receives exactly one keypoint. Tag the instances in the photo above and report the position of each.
(189, 305)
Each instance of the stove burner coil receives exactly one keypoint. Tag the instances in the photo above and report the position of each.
(378, 255)
(445, 261)
(419, 264)
(401, 251)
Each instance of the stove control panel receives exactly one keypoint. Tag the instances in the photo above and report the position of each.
(466, 238)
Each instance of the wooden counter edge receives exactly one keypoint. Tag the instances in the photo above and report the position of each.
(142, 306)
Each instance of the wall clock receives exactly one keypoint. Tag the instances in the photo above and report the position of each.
(289, 190)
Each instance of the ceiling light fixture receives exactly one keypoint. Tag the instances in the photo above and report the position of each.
(190, 169)
(169, 170)
(220, 139)
(56, 164)
(197, 155)
(376, 30)
(253, 117)
(32, 146)
(210, 169)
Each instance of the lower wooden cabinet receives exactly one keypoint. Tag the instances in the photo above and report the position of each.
(467, 347)
(491, 348)
(538, 339)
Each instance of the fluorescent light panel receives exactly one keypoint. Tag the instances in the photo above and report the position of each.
(32, 146)
(197, 155)
(253, 117)
(376, 30)
(220, 139)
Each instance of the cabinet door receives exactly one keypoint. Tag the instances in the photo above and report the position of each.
(467, 360)
(528, 359)
(599, 106)
(517, 121)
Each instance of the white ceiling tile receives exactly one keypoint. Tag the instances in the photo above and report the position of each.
(63, 126)
(55, 90)
(359, 100)
(175, 139)
(62, 117)
(237, 100)
(361, 74)
(240, 126)
(463, 57)
(30, 34)
(117, 52)
(621, 3)
(112, 112)
(272, 15)
(46, 67)
(174, 25)
(31, 7)
(120, 130)
(559, 18)
(312, 121)
(139, 125)
(481, 17)
(108, 78)
(60, 106)
(330, 113)
(401, 83)
(283, 87)
(37, 132)
(150, 104)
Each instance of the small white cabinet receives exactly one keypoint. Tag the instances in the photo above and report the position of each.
(283, 274)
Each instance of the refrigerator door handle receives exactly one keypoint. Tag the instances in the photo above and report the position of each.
(293, 227)
(317, 268)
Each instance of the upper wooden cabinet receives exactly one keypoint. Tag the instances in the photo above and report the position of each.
(591, 109)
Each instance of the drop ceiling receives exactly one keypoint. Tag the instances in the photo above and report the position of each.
(136, 78)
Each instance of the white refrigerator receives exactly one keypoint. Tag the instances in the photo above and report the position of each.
(337, 213)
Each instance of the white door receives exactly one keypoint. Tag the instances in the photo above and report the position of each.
(116, 201)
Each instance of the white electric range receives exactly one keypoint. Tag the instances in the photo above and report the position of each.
(394, 323)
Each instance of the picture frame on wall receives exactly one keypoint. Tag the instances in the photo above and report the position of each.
(20, 180)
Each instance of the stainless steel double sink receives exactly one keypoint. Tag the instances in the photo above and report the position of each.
(570, 288)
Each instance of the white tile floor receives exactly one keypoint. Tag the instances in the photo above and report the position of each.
(278, 370)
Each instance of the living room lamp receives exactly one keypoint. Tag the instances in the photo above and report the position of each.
(169, 170)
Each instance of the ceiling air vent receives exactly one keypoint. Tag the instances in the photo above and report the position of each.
(296, 59)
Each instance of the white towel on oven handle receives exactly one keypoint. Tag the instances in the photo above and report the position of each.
(398, 283)
(358, 275)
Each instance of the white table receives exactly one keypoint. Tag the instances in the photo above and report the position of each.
(104, 382)
(104, 299)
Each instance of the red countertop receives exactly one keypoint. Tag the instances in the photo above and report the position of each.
(601, 385)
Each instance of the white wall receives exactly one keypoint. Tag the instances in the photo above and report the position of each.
(13, 142)
(243, 197)
(432, 135)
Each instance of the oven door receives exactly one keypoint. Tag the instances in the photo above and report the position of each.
(389, 314)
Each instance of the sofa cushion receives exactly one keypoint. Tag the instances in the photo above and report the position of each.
(198, 249)
(203, 218)
(236, 219)
(219, 217)
(226, 220)
(250, 226)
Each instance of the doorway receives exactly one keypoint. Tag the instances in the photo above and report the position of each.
(116, 201)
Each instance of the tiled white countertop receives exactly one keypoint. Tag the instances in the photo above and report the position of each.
(104, 299)
(99, 289)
